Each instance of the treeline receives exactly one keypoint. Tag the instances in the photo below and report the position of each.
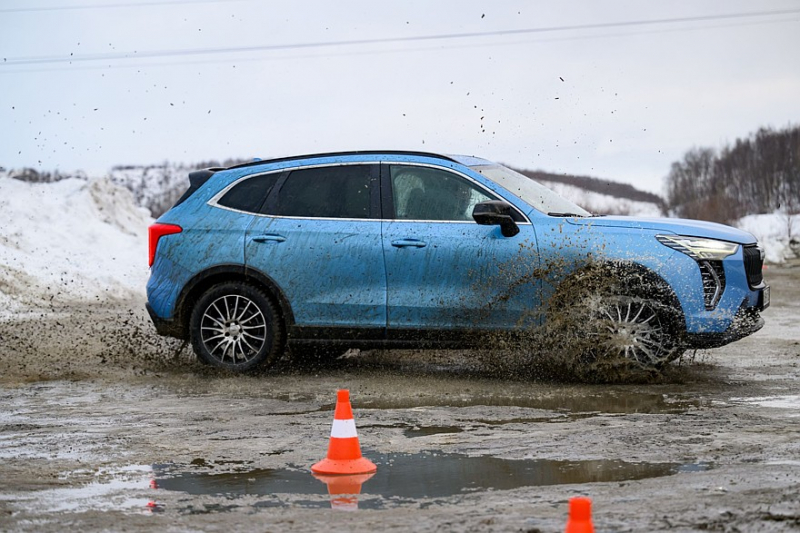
(758, 174)
(610, 188)
(31, 175)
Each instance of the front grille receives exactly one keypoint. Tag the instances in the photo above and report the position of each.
(713, 275)
(753, 263)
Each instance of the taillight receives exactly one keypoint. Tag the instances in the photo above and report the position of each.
(155, 232)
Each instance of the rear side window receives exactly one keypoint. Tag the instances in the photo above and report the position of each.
(326, 192)
(248, 195)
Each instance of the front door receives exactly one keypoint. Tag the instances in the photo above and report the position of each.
(444, 271)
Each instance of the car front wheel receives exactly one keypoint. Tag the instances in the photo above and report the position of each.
(235, 326)
(631, 329)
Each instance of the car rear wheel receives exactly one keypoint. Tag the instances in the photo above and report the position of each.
(237, 327)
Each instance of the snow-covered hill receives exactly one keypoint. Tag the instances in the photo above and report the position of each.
(778, 233)
(156, 187)
(603, 204)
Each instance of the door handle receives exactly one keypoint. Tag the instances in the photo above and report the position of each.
(404, 243)
(269, 237)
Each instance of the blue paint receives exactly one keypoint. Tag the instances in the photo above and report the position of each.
(386, 274)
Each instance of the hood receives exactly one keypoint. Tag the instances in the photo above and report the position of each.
(678, 226)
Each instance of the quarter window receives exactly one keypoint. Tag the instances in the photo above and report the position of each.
(326, 192)
(422, 193)
(249, 194)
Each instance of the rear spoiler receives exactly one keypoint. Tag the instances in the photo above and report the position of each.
(196, 180)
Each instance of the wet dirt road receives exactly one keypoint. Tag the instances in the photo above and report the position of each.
(106, 428)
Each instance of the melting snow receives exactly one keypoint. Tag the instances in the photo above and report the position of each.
(69, 240)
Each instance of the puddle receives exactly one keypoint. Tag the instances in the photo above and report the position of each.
(777, 402)
(403, 478)
(422, 479)
(123, 489)
(427, 431)
(616, 402)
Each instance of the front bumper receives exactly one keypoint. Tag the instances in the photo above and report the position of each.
(746, 322)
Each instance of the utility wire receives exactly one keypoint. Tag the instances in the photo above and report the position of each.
(342, 53)
(112, 6)
(360, 42)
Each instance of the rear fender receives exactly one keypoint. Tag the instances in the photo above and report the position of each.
(202, 281)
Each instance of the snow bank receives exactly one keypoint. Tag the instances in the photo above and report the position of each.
(778, 234)
(73, 240)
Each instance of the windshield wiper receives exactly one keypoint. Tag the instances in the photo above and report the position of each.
(551, 214)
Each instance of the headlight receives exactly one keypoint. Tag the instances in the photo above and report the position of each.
(698, 248)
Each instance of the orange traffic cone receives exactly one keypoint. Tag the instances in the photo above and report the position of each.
(580, 516)
(344, 452)
(152, 505)
(344, 490)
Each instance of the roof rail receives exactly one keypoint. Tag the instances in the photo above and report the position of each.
(334, 154)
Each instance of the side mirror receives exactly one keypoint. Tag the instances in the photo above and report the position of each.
(495, 213)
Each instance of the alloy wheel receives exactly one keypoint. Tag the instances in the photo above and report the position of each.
(633, 329)
(233, 329)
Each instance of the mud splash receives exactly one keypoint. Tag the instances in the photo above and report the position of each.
(597, 322)
(74, 340)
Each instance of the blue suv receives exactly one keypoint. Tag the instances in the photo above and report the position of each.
(407, 249)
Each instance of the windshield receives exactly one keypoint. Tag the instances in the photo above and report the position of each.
(533, 193)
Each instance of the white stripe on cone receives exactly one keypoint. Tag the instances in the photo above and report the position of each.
(343, 429)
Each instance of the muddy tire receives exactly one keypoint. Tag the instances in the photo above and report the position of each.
(630, 330)
(236, 326)
(615, 325)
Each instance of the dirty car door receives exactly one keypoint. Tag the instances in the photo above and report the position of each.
(444, 271)
(319, 240)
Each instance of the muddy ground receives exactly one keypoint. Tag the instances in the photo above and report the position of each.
(105, 427)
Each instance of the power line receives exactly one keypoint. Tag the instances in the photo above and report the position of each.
(112, 6)
(342, 53)
(359, 42)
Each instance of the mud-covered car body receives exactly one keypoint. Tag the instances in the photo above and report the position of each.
(366, 249)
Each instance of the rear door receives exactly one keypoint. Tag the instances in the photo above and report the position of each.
(444, 271)
(319, 239)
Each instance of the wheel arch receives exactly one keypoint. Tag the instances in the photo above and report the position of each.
(634, 278)
(206, 279)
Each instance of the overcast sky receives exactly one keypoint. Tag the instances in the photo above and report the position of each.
(590, 87)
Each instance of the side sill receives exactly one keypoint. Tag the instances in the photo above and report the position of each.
(392, 338)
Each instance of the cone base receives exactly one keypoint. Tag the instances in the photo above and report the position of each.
(338, 481)
(362, 465)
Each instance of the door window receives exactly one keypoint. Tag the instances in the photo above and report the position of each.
(422, 193)
(326, 192)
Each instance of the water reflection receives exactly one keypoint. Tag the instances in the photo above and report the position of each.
(423, 475)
